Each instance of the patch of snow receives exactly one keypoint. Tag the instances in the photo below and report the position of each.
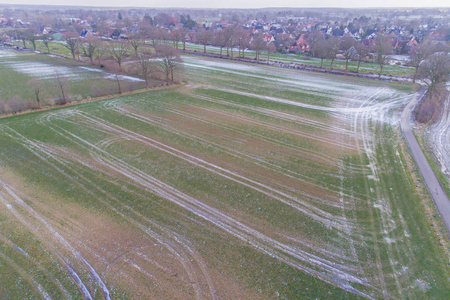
(423, 285)
(6, 53)
(124, 77)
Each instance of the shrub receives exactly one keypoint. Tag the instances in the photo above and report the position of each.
(426, 112)
(15, 104)
(97, 91)
(2, 106)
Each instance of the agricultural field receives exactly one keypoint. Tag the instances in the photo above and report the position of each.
(367, 67)
(435, 139)
(57, 47)
(22, 72)
(248, 182)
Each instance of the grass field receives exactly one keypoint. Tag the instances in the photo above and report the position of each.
(57, 47)
(367, 67)
(250, 182)
(22, 72)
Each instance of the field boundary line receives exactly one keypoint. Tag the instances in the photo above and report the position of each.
(88, 100)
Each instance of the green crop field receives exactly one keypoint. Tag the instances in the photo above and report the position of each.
(249, 182)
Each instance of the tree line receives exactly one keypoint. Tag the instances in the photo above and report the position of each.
(430, 64)
(156, 61)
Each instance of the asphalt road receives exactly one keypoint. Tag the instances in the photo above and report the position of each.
(437, 193)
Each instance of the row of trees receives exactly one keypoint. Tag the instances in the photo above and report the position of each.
(231, 37)
(163, 59)
(150, 62)
(434, 70)
(227, 39)
(234, 37)
(430, 66)
(161, 62)
(328, 48)
(321, 46)
(237, 37)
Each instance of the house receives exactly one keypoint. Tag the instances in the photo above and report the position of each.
(268, 38)
(86, 34)
(301, 45)
(351, 52)
(371, 33)
(411, 45)
(348, 36)
(115, 33)
(46, 30)
(356, 34)
(395, 44)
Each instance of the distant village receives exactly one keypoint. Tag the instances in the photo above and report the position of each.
(288, 32)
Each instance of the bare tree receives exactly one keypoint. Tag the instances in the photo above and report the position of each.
(219, 39)
(348, 46)
(177, 35)
(419, 54)
(89, 47)
(169, 61)
(163, 35)
(153, 34)
(46, 40)
(102, 27)
(321, 50)
(116, 75)
(183, 39)
(62, 86)
(100, 52)
(31, 36)
(114, 69)
(243, 40)
(382, 49)
(362, 51)
(204, 37)
(333, 45)
(434, 71)
(119, 51)
(72, 43)
(37, 88)
(270, 49)
(144, 30)
(258, 44)
(146, 65)
(229, 39)
(21, 35)
(314, 41)
(134, 42)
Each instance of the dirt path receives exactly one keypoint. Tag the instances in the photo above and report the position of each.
(436, 191)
